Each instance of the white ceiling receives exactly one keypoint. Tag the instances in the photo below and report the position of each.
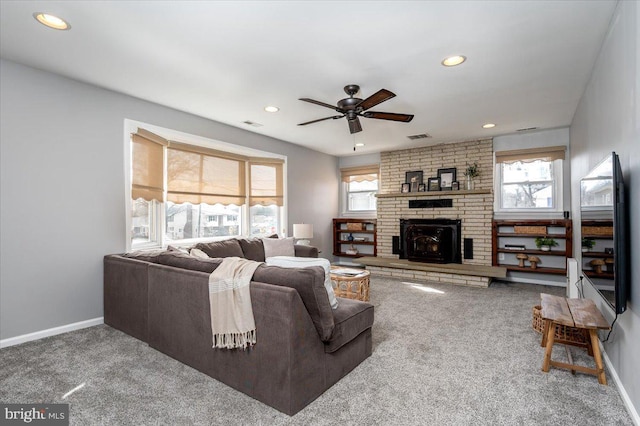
(528, 61)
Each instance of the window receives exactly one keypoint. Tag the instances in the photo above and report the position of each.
(182, 193)
(360, 188)
(529, 180)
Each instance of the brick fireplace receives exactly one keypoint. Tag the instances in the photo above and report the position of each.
(473, 208)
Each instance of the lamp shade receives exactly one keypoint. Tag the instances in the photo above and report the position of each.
(303, 230)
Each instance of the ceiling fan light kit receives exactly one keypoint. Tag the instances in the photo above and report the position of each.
(352, 108)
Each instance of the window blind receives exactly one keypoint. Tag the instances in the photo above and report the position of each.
(548, 153)
(200, 175)
(147, 159)
(266, 182)
(360, 174)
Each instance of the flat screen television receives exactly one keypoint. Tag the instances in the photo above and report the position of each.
(604, 226)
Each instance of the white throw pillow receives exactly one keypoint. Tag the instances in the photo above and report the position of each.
(278, 247)
(304, 262)
(198, 253)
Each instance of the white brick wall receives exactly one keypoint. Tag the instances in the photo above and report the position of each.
(475, 210)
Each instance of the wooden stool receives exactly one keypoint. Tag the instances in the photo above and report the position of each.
(578, 313)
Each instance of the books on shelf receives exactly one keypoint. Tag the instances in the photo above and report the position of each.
(514, 247)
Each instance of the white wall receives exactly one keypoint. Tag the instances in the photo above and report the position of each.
(608, 119)
(62, 191)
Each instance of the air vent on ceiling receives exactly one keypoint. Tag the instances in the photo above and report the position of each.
(420, 136)
(526, 129)
(252, 123)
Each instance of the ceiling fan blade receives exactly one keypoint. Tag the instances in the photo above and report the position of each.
(312, 101)
(375, 99)
(388, 116)
(320, 119)
(354, 125)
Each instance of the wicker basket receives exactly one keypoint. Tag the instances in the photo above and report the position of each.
(355, 226)
(563, 332)
(606, 231)
(529, 229)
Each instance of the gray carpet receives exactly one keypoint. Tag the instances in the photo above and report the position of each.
(464, 356)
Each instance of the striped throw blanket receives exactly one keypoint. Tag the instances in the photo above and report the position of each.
(232, 320)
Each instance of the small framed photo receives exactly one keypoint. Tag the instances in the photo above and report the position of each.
(422, 187)
(434, 184)
(414, 179)
(455, 185)
(447, 177)
(406, 187)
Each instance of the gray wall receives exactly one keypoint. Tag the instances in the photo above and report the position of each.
(62, 191)
(608, 119)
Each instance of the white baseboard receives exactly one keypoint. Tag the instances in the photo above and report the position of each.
(12, 341)
(623, 393)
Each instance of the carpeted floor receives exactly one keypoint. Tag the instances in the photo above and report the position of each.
(442, 355)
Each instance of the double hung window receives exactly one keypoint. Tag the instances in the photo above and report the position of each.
(360, 188)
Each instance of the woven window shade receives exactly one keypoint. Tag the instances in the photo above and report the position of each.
(266, 182)
(147, 165)
(195, 175)
(360, 174)
(548, 153)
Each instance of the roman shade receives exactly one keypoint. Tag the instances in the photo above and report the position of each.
(200, 175)
(147, 159)
(360, 174)
(548, 153)
(266, 182)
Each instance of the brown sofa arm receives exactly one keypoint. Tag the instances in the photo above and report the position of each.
(305, 251)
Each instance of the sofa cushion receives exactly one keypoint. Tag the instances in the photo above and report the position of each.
(278, 247)
(145, 255)
(309, 282)
(304, 262)
(226, 248)
(252, 248)
(186, 261)
(350, 319)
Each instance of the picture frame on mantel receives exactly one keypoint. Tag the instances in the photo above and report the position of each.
(406, 187)
(447, 177)
(422, 187)
(414, 179)
(433, 184)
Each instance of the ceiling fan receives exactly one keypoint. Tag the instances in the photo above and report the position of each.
(352, 108)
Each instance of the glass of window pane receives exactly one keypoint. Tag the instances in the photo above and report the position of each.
(527, 195)
(186, 221)
(265, 220)
(140, 221)
(361, 196)
(521, 172)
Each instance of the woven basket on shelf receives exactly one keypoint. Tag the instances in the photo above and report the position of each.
(355, 226)
(563, 332)
(598, 230)
(530, 229)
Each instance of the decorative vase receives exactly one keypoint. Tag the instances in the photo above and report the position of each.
(471, 184)
(545, 248)
(350, 237)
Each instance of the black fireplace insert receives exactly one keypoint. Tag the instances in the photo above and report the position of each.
(431, 240)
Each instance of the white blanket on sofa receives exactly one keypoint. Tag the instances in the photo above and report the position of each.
(232, 321)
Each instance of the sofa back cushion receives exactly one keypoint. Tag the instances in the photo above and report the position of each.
(309, 282)
(252, 249)
(226, 248)
(186, 261)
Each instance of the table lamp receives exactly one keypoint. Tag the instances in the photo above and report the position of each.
(302, 232)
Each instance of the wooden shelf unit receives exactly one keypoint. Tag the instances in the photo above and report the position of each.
(340, 233)
(500, 235)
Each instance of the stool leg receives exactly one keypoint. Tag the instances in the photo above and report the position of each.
(602, 379)
(550, 326)
(545, 331)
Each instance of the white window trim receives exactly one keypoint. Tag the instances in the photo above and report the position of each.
(131, 126)
(557, 189)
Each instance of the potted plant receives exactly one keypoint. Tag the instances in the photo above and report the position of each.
(471, 172)
(545, 243)
(588, 244)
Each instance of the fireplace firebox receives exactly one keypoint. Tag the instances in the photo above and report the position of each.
(431, 240)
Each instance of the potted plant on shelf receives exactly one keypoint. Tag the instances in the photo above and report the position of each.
(471, 172)
(545, 243)
(588, 244)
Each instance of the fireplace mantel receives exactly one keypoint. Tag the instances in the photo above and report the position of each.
(432, 194)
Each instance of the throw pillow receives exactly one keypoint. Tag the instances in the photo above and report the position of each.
(178, 249)
(225, 248)
(303, 262)
(252, 249)
(279, 247)
(198, 253)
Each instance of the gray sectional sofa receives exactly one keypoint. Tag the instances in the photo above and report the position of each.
(303, 346)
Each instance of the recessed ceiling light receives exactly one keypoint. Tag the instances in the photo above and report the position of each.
(488, 126)
(359, 144)
(52, 21)
(271, 108)
(452, 61)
